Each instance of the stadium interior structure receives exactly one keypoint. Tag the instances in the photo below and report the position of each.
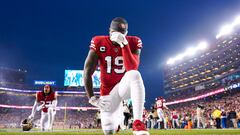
(206, 66)
(209, 77)
(216, 68)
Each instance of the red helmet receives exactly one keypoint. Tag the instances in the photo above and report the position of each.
(158, 98)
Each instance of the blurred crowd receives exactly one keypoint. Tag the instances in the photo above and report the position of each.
(219, 111)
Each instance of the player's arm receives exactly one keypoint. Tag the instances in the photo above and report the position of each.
(34, 108)
(54, 103)
(164, 105)
(130, 59)
(89, 68)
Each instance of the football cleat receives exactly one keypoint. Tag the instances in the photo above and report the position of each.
(139, 128)
(118, 129)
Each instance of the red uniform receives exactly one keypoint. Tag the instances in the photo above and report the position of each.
(111, 60)
(174, 114)
(159, 103)
(45, 99)
(145, 114)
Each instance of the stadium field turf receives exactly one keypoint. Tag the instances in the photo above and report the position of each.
(152, 132)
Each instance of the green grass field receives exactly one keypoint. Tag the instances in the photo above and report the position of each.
(99, 132)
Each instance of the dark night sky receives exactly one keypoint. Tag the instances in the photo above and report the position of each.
(45, 37)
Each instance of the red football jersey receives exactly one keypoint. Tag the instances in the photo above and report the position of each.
(45, 99)
(159, 103)
(111, 60)
(174, 114)
(145, 113)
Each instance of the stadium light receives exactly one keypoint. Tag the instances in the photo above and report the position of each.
(225, 30)
(170, 61)
(236, 21)
(179, 57)
(190, 51)
(202, 45)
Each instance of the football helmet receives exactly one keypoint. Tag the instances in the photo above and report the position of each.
(158, 98)
(119, 24)
(27, 124)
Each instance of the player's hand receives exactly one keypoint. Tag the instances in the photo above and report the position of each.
(100, 103)
(30, 117)
(40, 107)
(49, 106)
(119, 38)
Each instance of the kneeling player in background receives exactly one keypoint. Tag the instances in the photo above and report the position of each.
(46, 101)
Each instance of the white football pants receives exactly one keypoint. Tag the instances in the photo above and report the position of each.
(130, 87)
(46, 121)
(161, 117)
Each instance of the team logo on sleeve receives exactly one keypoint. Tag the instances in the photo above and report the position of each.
(139, 43)
(92, 45)
(102, 49)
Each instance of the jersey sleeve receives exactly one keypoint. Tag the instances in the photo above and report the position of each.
(94, 44)
(138, 42)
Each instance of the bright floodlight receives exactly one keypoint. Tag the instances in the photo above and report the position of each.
(170, 61)
(179, 57)
(236, 21)
(202, 45)
(225, 30)
(190, 51)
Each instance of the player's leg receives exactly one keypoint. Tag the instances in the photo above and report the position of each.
(50, 118)
(152, 123)
(164, 121)
(198, 122)
(53, 118)
(203, 122)
(161, 117)
(112, 118)
(173, 123)
(234, 121)
(43, 121)
(131, 87)
(177, 122)
(47, 122)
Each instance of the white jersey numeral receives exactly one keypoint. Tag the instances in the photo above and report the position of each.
(118, 61)
(159, 103)
(109, 63)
